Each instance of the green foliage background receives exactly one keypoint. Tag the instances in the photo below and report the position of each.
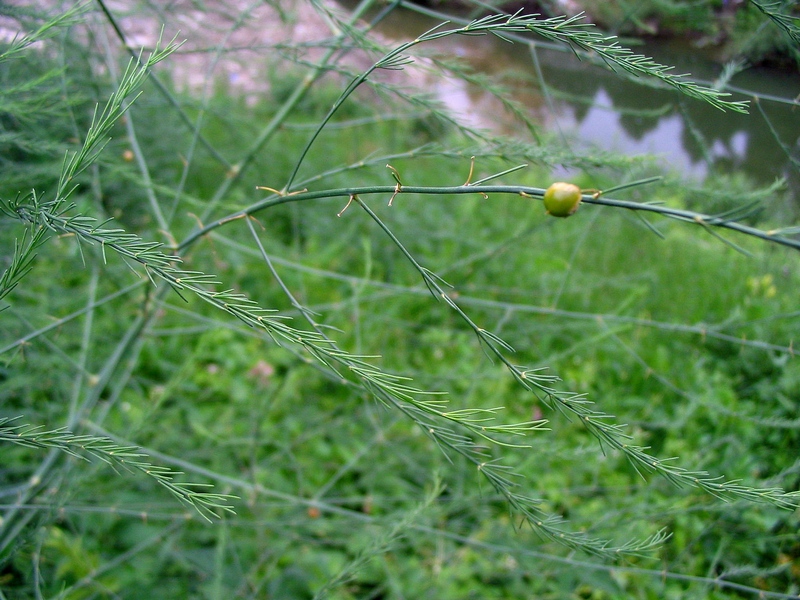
(687, 340)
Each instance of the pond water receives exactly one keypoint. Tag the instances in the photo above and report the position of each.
(589, 105)
(594, 106)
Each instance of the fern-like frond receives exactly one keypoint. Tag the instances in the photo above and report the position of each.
(776, 11)
(585, 36)
(129, 458)
(48, 29)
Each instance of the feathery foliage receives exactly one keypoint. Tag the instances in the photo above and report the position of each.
(500, 451)
(775, 11)
(126, 457)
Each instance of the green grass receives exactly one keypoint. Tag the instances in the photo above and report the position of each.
(686, 341)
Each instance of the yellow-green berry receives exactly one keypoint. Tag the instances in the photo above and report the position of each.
(562, 199)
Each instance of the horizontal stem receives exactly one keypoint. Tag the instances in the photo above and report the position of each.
(688, 216)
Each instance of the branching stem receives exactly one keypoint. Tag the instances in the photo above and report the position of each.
(684, 215)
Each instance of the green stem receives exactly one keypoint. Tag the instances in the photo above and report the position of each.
(278, 119)
(688, 216)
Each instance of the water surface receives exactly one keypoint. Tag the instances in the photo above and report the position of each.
(594, 106)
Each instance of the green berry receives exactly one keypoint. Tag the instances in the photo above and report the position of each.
(562, 199)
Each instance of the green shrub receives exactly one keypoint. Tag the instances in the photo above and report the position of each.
(255, 318)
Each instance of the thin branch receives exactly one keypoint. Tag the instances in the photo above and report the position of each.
(780, 237)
